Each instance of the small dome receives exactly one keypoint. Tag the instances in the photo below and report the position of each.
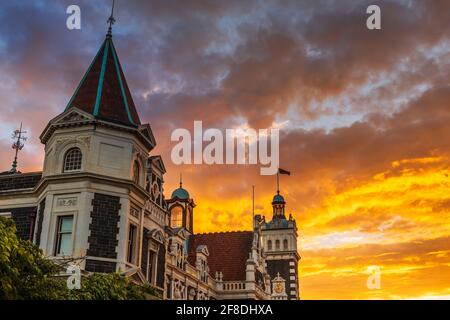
(181, 194)
(278, 198)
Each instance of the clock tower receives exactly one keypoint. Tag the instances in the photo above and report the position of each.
(279, 238)
(279, 288)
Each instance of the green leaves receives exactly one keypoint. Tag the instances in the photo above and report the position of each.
(110, 286)
(26, 275)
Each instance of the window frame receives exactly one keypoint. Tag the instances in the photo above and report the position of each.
(181, 217)
(131, 243)
(285, 244)
(66, 154)
(152, 263)
(58, 233)
(136, 177)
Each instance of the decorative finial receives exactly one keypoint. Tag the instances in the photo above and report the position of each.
(111, 21)
(181, 180)
(278, 181)
(17, 145)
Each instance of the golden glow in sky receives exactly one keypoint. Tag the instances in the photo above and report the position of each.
(364, 118)
(397, 220)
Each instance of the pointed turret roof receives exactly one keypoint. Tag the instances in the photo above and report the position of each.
(103, 91)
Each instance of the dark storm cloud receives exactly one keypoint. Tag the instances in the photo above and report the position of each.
(257, 62)
(356, 104)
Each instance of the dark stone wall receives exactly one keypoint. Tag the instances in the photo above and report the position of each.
(40, 219)
(19, 181)
(282, 266)
(103, 231)
(161, 266)
(100, 266)
(24, 219)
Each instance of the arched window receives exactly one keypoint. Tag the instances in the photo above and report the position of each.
(269, 245)
(136, 172)
(277, 244)
(72, 160)
(176, 217)
(285, 244)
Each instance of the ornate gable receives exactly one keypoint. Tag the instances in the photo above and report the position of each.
(157, 235)
(70, 117)
(146, 133)
(203, 249)
(182, 233)
(158, 163)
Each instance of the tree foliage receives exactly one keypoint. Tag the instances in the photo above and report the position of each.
(111, 286)
(25, 274)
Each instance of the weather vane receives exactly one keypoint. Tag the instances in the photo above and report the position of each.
(111, 20)
(18, 145)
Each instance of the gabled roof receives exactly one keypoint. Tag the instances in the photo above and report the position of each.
(158, 162)
(103, 91)
(228, 252)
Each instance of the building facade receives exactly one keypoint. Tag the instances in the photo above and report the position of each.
(99, 202)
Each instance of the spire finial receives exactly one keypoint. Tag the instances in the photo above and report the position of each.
(111, 21)
(181, 180)
(278, 181)
(17, 145)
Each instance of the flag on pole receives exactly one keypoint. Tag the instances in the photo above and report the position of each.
(282, 171)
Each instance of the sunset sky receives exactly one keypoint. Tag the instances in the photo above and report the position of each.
(364, 118)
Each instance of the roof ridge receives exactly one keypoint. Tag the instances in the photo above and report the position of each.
(220, 232)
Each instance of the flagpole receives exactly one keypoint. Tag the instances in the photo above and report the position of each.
(278, 181)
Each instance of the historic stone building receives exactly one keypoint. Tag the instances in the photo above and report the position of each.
(99, 201)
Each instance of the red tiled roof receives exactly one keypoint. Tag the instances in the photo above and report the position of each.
(228, 252)
(103, 91)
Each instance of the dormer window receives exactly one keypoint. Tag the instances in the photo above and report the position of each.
(72, 160)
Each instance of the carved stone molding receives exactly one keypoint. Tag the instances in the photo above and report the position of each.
(62, 142)
(139, 154)
(66, 202)
(73, 117)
